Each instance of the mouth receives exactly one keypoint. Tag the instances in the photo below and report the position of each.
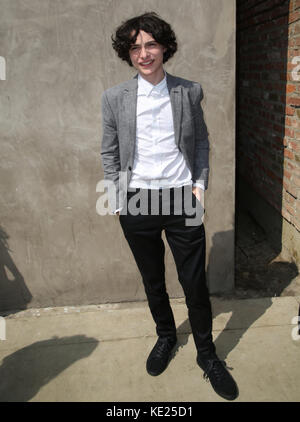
(146, 64)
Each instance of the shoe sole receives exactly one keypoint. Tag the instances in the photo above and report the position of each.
(155, 374)
(230, 398)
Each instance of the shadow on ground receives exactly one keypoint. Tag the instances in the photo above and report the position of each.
(259, 273)
(26, 371)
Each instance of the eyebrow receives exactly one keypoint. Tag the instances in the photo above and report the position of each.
(137, 45)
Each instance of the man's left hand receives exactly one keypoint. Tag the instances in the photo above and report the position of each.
(197, 192)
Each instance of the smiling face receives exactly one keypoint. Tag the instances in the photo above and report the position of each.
(146, 55)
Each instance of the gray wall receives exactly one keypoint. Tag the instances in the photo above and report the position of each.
(54, 248)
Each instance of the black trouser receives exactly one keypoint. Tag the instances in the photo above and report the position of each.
(187, 243)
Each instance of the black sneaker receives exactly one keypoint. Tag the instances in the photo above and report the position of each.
(159, 357)
(215, 371)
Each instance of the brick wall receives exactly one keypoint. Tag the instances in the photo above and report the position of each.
(268, 103)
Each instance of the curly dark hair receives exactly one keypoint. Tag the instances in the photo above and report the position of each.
(151, 23)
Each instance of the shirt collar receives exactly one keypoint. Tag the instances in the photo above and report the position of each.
(145, 87)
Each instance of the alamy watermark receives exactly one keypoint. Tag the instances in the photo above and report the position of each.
(2, 328)
(296, 330)
(2, 69)
(151, 201)
(296, 70)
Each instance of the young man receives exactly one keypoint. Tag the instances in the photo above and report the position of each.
(154, 133)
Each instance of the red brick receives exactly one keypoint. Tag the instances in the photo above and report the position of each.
(289, 165)
(288, 77)
(290, 199)
(288, 121)
(289, 154)
(296, 223)
(293, 190)
(290, 88)
(289, 208)
(293, 53)
(290, 111)
(296, 4)
(296, 28)
(287, 174)
(296, 41)
(286, 215)
(289, 132)
(290, 67)
(294, 16)
(294, 146)
(293, 101)
(296, 181)
(295, 123)
(297, 171)
(286, 184)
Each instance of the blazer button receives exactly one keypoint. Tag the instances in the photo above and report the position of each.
(129, 168)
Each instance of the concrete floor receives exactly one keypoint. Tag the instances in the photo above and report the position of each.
(98, 353)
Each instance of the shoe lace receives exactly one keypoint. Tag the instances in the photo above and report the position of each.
(215, 367)
(161, 348)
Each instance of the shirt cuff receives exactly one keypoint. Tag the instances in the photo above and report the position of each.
(198, 185)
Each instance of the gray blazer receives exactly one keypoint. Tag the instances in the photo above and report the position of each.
(119, 131)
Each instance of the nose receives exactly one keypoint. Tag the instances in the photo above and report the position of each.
(144, 52)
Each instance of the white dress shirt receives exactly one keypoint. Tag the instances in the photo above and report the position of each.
(158, 162)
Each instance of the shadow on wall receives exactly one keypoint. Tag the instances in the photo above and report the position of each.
(14, 294)
(218, 271)
(25, 372)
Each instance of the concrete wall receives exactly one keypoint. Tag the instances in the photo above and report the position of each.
(54, 248)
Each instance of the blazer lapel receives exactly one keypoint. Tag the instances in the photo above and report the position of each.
(130, 104)
(175, 92)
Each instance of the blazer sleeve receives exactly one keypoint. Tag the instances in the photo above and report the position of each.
(201, 152)
(110, 151)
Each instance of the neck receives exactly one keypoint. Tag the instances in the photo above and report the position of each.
(155, 78)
